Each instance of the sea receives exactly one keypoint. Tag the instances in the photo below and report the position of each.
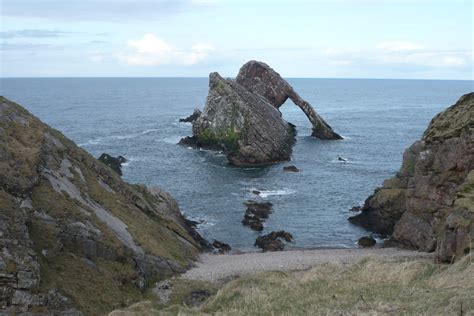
(138, 118)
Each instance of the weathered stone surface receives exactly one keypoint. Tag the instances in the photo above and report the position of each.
(242, 119)
(261, 79)
(221, 247)
(429, 204)
(73, 235)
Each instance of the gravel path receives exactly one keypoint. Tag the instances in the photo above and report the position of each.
(219, 268)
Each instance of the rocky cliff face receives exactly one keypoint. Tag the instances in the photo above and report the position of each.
(73, 236)
(241, 117)
(429, 204)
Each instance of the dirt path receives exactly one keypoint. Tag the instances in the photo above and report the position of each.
(218, 268)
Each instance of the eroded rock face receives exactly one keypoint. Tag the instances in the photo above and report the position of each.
(429, 204)
(273, 241)
(242, 119)
(113, 162)
(73, 236)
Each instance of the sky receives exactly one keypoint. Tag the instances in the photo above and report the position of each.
(402, 39)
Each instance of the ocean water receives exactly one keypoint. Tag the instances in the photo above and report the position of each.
(138, 118)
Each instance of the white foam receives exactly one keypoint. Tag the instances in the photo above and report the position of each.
(98, 140)
(266, 193)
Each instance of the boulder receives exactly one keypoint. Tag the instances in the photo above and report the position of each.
(221, 247)
(366, 241)
(115, 163)
(273, 241)
(429, 204)
(246, 125)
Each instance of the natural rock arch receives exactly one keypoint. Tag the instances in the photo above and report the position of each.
(261, 79)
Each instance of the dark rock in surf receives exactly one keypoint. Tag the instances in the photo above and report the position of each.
(273, 241)
(245, 123)
(115, 163)
(356, 209)
(291, 169)
(366, 241)
(196, 114)
(256, 192)
(256, 214)
(221, 247)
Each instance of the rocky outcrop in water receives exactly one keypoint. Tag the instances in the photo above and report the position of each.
(273, 241)
(115, 163)
(73, 236)
(429, 204)
(241, 117)
(256, 214)
(196, 114)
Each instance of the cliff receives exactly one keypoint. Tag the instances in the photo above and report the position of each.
(429, 204)
(74, 237)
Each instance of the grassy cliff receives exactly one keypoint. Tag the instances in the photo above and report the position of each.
(75, 237)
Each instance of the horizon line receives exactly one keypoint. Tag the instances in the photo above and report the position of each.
(206, 77)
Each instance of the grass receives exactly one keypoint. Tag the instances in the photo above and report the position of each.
(371, 287)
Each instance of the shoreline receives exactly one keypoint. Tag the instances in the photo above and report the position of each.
(219, 268)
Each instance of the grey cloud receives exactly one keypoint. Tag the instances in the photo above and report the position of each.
(34, 34)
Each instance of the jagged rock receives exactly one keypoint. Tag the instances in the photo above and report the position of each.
(196, 114)
(256, 192)
(291, 169)
(356, 209)
(429, 204)
(366, 241)
(273, 241)
(243, 120)
(261, 79)
(115, 163)
(221, 247)
(256, 213)
(69, 221)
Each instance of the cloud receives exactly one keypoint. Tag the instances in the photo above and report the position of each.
(32, 33)
(153, 51)
(398, 46)
(399, 54)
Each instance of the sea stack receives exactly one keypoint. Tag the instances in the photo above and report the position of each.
(242, 119)
(429, 204)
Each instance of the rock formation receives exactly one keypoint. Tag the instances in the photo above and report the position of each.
(273, 241)
(429, 204)
(196, 114)
(261, 79)
(256, 214)
(115, 163)
(73, 236)
(241, 117)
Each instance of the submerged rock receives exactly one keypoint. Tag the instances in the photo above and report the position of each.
(196, 114)
(74, 237)
(429, 204)
(273, 241)
(244, 122)
(291, 169)
(115, 163)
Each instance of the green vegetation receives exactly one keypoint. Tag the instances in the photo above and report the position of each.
(227, 139)
(373, 286)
